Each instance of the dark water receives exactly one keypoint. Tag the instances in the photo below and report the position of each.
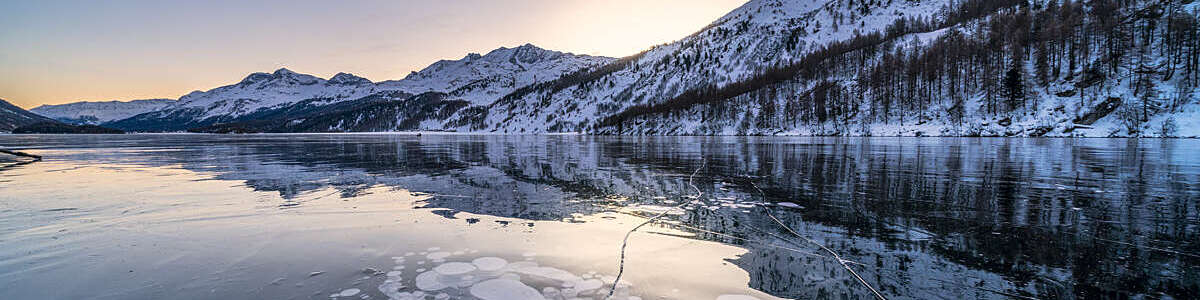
(195, 216)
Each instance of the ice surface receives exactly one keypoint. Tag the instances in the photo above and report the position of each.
(495, 278)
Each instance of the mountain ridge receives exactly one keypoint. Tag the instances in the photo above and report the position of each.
(98, 112)
(473, 78)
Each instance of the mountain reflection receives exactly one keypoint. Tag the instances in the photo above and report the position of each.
(920, 218)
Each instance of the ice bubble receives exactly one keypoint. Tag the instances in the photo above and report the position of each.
(569, 293)
(521, 265)
(588, 285)
(789, 204)
(454, 269)
(548, 273)
(394, 274)
(490, 264)
(428, 281)
(438, 255)
(736, 297)
(391, 290)
(431, 249)
(349, 292)
(504, 289)
(550, 292)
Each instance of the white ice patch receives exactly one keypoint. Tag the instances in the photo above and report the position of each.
(347, 293)
(494, 278)
(490, 278)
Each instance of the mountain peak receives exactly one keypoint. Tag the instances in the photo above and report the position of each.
(348, 79)
(255, 77)
(289, 77)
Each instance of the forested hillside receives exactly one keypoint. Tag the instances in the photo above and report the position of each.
(979, 67)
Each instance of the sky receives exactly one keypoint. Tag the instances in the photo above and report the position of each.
(63, 51)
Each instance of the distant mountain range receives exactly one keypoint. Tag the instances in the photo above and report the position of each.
(771, 67)
(94, 113)
(285, 95)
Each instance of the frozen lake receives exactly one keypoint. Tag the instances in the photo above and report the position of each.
(366, 216)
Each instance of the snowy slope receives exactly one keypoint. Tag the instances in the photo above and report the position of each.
(258, 91)
(12, 117)
(99, 112)
(759, 35)
(476, 78)
(482, 79)
(262, 90)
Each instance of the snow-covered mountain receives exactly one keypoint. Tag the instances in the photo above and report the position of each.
(93, 113)
(12, 117)
(759, 35)
(482, 79)
(894, 68)
(474, 78)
